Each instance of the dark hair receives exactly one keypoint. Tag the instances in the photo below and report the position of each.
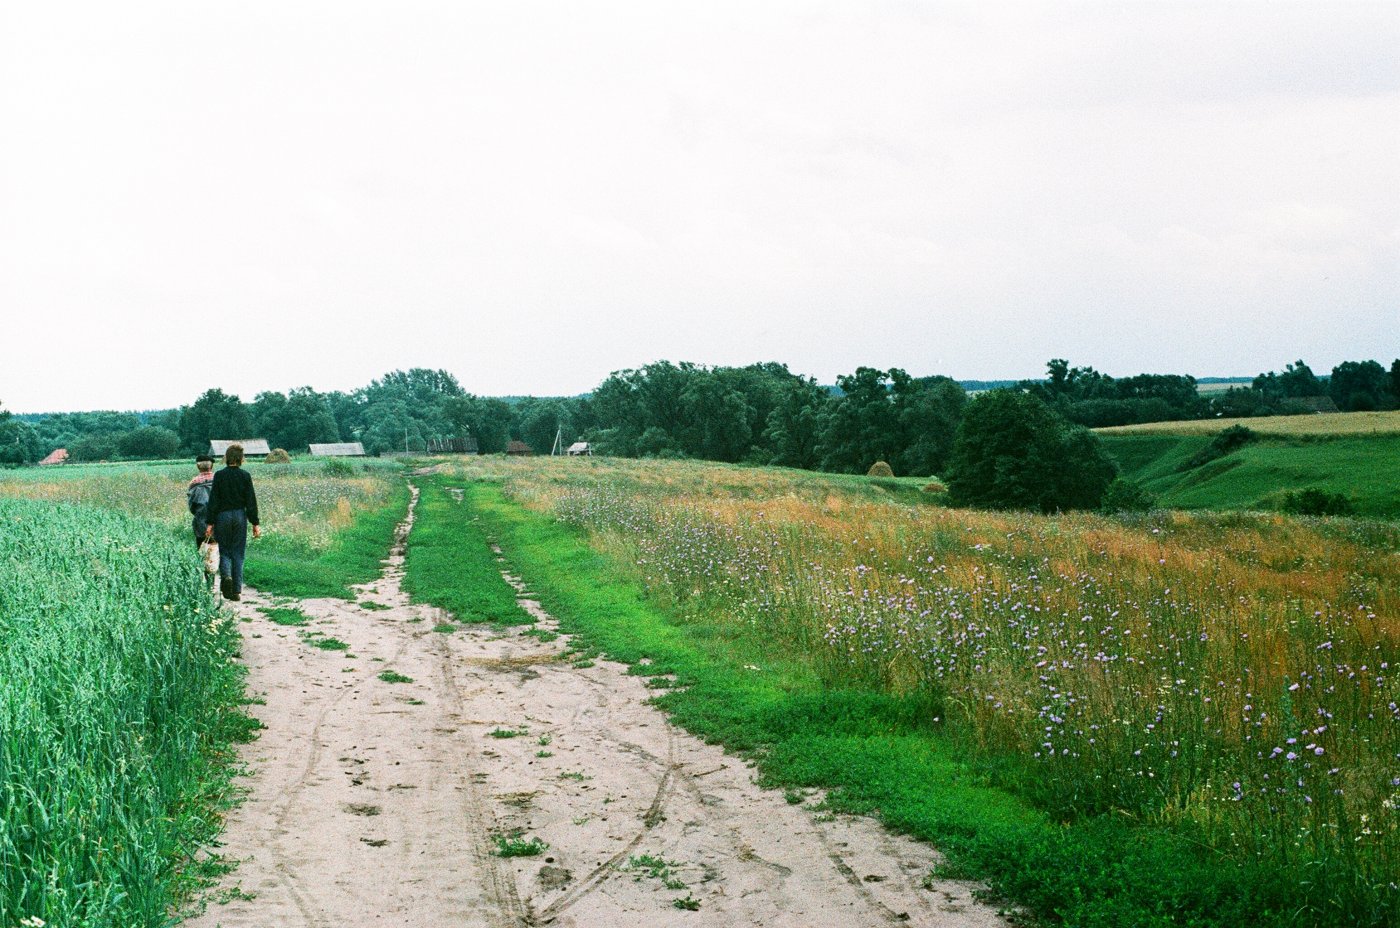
(234, 455)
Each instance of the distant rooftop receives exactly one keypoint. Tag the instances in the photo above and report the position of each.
(252, 447)
(339, 449)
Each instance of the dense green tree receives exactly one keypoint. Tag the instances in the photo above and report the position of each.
(794, 426)
(862, 425)
(1296, 380)
(215, 414)
(1359, 385)
(890, 416)
(631, 402)
(149, 442)
(295, 420)
(401, 408)
(98, 446)
(19, 442)
(62, 430)
(1395, 379)
(1014, 452)
(929, 413)
(538, 421)
(348, 414)
(717, 424)
(666, 409)
(390, 427)
(1083, 395)
(488, 420)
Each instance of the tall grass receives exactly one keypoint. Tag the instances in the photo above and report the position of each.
(324, 527)
(117, 708)
(303, 500)
(1233, 677)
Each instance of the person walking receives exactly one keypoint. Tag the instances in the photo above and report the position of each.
(197, 496)
(233, 506)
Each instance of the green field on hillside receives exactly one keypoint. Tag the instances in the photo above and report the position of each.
(1363, 468)
(1332, 423)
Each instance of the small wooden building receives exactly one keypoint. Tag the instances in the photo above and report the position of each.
(338, 449)
(252, 447)
(465, 445)
(519, 449)
(579, 448)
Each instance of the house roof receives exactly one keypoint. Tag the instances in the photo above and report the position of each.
(519, 447)
(578, 447)
(57, 456)
(338, 449)
(1317, 403)
(252, 447)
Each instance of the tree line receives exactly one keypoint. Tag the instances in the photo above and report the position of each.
(758, 414)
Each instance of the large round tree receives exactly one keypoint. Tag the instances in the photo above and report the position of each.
(1014, 452)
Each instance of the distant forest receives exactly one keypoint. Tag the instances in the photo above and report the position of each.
(762, 413)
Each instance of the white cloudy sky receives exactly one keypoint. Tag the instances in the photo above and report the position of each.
(263, 195)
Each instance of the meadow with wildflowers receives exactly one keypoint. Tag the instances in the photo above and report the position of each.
(1229, 679)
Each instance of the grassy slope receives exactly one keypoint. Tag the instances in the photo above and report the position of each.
(877, 754)
(1364, 468)
(287, 566)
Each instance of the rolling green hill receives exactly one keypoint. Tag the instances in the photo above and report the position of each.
(1365, 468)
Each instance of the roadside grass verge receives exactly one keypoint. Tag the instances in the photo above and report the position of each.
(449, 562)
(876, 753)
(289, 565)
(120, 705)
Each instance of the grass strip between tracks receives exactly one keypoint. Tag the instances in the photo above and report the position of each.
(450, 564)
(876, 754)
(287, 566)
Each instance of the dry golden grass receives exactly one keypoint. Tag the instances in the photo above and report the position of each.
(1332, 423)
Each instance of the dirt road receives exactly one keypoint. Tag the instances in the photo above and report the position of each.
(375, 802)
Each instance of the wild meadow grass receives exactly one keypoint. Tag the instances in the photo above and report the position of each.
(1229, 677)
(118, 701)
(324, 528)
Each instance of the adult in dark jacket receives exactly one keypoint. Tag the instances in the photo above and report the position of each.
(233, 506)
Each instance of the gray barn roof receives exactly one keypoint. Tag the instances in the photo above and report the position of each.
(341, 449)
(252, 447)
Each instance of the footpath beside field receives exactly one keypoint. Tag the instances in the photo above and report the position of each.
(417, 772)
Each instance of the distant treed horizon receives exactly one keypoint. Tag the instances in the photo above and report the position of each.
(971, 382)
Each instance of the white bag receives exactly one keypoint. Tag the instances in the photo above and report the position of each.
(209, 551)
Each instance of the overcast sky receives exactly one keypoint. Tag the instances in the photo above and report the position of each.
(260, 195)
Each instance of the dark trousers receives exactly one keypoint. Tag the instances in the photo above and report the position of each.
(231, 532)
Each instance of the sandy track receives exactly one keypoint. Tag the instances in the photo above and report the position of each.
(378, 803)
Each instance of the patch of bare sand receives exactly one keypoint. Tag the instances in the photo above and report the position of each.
(379, 803)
